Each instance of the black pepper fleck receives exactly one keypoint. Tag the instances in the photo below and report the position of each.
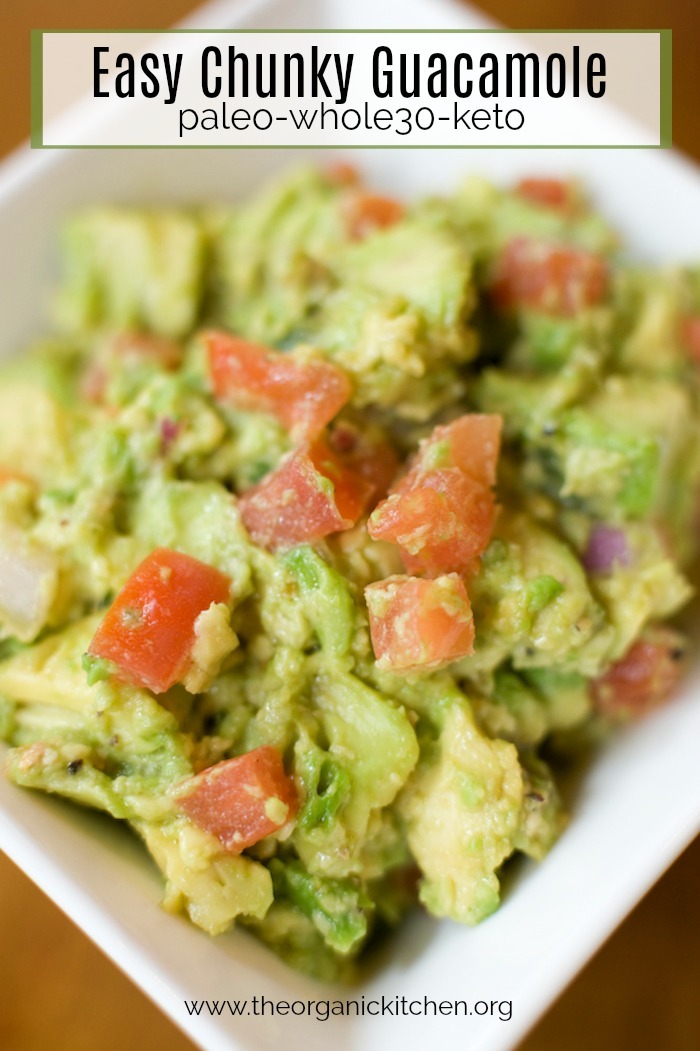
(209, 723)
(74, 766)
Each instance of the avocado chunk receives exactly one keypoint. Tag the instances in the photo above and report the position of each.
(129, 268)
(127, 746)
(533, 604)
(272, 258)
(399, 320)
(326, 598)
(462, 811)
(337, 908)
(373, 742)
(211, 887)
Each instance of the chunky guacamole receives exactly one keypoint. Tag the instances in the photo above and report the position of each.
(323, 518)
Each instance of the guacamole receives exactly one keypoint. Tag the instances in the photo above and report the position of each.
(323, 519)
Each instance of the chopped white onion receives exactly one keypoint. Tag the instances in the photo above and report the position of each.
(28, 580)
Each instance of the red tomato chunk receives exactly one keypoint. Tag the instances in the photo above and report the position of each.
(367, 212)
(441, 524)
(148, 631)
(549, 193)
(553, 279)
(351, 489)
(366, 455)
(471, 443)
(416, 623)
(8, 475)
(690, 335)
(645, 677)
(142, 346)
(304, 396)
(241, 800)
(441, 514)
(310, 495)
(341, 173)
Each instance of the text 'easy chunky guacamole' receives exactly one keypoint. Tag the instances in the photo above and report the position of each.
(320, 517)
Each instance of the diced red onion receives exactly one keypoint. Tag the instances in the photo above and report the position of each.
(607, 545)
(169, 431)
(344, 438)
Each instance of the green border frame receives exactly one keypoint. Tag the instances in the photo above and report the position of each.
(37, 90)
(666, 88)
(36, 97)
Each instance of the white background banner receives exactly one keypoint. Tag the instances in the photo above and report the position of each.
(353, 89)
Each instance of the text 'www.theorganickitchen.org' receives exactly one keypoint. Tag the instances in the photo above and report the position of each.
(359, 1007)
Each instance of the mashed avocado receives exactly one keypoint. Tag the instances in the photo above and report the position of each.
(320, 518)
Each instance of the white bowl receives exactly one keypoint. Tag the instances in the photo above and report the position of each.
(638, 804)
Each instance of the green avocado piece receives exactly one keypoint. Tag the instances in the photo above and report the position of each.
(326, 597)
(372, 741)
(337, 908)
(272, 258)
(213, 888)
(398, 321)
(105, 745)
(533, 604)
(199, 518)
(434, 281)
(130, 268)
(512, 711)
(295, 939)
(462, 812)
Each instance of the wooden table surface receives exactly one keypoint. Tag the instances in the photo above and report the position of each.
(641, 991)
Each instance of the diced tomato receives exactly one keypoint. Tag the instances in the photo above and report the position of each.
(442, 512)
(241, 800)
(351, 489)
(366, 212)
(304, 396)
(690, 334)
(471, 443)
(341, 173)
(644, 678)
(149, 629)
(93, 383)
(416, 623)
(441, 522)
(310, 495)
(8, 475)
(554, 279)
(146, 346)
(366, 454)
(550, 193)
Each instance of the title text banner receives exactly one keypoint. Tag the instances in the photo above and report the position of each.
(351, 89)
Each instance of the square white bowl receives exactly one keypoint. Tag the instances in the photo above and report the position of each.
(639, 802)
